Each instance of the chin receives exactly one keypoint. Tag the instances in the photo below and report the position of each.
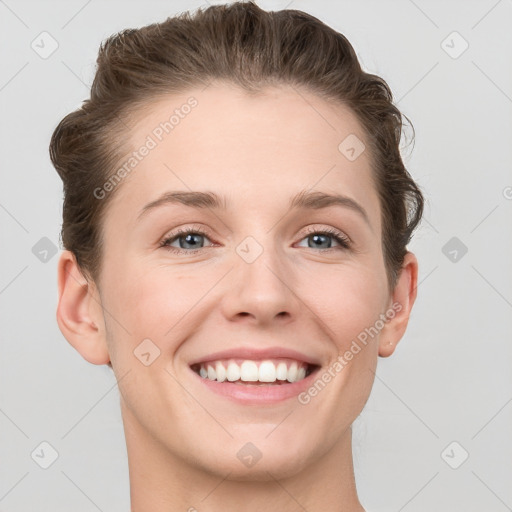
(251, 461)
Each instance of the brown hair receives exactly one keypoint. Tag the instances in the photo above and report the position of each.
(245, 45)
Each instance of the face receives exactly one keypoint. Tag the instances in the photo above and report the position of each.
(253, 274)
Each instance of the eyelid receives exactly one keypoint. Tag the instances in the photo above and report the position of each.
(196, 228)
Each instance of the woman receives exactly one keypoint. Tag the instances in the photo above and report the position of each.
(235, 223)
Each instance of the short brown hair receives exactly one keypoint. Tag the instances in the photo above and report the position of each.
(247, 46)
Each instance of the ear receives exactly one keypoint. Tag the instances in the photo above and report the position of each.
(79, 311)
(403, 298)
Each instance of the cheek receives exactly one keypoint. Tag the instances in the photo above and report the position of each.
(349, 300)
(157, 302)
(351, 310)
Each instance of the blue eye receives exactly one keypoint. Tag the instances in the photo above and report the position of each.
(191, 237)
(340, 238)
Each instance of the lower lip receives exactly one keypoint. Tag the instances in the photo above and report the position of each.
(249, 394)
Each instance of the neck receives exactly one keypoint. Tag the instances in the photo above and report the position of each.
(161, 481)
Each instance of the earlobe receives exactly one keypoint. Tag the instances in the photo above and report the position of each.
(386, 348)
(79, 311)
(404, 296)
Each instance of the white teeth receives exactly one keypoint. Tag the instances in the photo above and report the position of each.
(249, 371)
(233, 372)
(221, 372)
(292, 373)
(282, 371)
(267, 372)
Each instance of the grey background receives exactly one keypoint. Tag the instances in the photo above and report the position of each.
(449, 379)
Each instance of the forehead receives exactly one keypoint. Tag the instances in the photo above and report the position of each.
(260, 146)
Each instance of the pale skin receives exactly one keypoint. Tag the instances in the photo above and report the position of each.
(182, 439)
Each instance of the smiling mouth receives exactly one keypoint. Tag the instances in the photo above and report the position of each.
(255, 373)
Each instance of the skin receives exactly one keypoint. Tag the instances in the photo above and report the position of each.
(182, 439)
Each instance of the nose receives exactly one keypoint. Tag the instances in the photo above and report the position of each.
(261, 291)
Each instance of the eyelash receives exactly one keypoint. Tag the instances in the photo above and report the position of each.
(343, 241)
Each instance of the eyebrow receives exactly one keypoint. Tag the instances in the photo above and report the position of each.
(303, 200)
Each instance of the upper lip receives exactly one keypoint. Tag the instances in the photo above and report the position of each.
(253, 353)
